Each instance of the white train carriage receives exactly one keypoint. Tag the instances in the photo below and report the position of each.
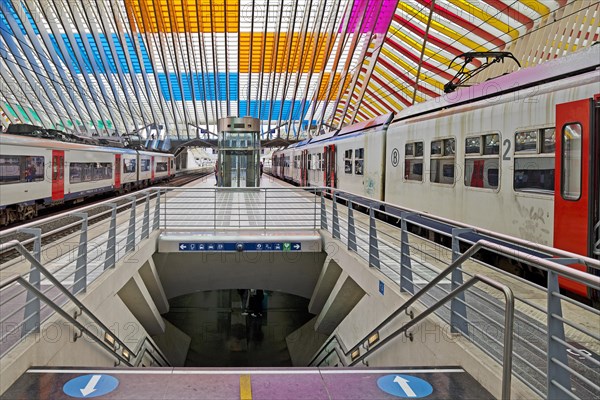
(519, 155)
(37, 173)
(145, 167)
(338, 159)
(162, 167)
(489, 163)
(129, 169)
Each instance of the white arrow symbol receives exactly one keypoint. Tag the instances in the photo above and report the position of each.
(404, 386)
(182, 247)
(296, 246)
(91, 385)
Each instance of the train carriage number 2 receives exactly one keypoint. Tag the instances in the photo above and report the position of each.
(506, 143)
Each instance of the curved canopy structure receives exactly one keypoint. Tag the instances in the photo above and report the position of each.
(174, 67)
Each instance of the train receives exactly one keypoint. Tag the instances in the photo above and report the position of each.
(38, 173)
(518, 155)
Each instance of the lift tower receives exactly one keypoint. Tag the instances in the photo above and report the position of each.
(239, 152)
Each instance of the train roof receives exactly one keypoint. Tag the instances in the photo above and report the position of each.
(368, 124)
(154, 153)
(360, 127)
(28, 141)
(573, 64)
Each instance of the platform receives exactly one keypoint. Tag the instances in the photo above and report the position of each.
(249, 384)
(163, 234)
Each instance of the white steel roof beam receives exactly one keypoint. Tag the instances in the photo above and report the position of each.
(135, 41)
(101, 17)
(37, 81)
(48, 77)
(81, 20)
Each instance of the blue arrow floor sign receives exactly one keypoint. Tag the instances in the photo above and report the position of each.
(405, 386)
(88, 386)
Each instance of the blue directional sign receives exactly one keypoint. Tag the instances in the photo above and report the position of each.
(405, 386)
(88, 386)
(381, 287)
(245, 246)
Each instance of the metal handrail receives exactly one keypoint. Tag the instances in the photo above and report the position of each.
(509, 312)
(548, 265)
(82, 308)
(365, 202)
(39, 294)
(39, 222)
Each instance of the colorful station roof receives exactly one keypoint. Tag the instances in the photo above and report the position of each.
(175, 67)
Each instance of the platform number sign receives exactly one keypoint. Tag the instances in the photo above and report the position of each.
(395, 157)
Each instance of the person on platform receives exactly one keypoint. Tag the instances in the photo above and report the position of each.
(217, 174)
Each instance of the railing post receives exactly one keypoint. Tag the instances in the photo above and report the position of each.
(373, 243)
(557, 352)
(335, 231)
(458, 307)
(266, 191)
(157, 212)
(80, 278)
(111, 245)
(146, 223)
(351, 228)
(406, 278)
(215, 208)
(323, 212)
(130, 245)
(32, 302)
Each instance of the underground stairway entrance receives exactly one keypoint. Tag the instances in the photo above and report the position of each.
(238, 327)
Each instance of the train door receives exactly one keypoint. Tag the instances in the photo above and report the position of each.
(117, 171)
(152, 168)
(329, 159)
(282, 166)
(576, 180)
(304, 168)
(58, 175)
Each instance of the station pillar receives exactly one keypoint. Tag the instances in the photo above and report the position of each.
(238, 152)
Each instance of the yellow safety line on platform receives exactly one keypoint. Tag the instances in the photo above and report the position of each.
(245, 387)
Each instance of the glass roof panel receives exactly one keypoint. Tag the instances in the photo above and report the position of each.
(123, 66)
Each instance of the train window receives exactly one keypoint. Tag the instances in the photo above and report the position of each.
(321, 162)
(413, 161)
(492, 144)
(87, 172)
(571, 162)
(442, 161)
(15, 169)
(436, 147)
(54, 168)
(161, 167)
(129, 166)
(359, 155)
(526, 141)
(534, 161)
(309, 161)
(348, 161)
(473, 145)
(419, 149)
(482, 165)
(145, 164)
(549, 140)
